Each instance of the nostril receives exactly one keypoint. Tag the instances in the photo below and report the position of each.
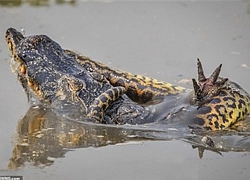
(7, 35)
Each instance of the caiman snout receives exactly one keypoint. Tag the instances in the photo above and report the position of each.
(13, 37)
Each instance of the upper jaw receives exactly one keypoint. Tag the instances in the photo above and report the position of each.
(13, 37)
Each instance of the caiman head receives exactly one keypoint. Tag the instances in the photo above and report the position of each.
(40, 63)
(31, 64)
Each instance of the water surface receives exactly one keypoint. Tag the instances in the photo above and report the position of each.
(157, 39)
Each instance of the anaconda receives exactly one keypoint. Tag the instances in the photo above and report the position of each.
(108, 96)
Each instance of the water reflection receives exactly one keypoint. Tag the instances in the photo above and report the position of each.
(13, 3)
(236, 139)
(42, 137)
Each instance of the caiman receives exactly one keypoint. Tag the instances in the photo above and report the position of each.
(60, 77)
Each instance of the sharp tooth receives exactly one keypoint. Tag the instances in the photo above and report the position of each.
(12, 61)
(15, 66)
(23, 69)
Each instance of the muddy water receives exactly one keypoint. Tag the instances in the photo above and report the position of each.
(157, 39)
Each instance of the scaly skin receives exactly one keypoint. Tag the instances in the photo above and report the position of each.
(139, 88)
(49, 71)
(223, 102)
